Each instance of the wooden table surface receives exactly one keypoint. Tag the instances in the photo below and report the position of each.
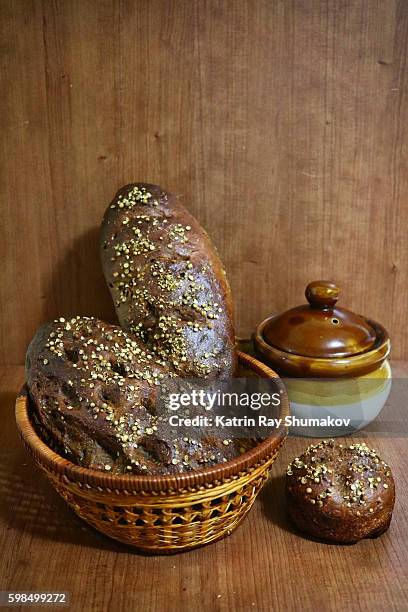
(264, 565)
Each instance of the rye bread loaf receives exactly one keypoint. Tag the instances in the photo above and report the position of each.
(94, 390)
(167, 282)
(340, 493)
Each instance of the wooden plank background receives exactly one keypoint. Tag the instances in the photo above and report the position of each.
(282, 125)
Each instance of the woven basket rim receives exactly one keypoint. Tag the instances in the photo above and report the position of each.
(133, 482)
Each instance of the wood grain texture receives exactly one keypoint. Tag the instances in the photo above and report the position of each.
(264, 565)
(282, 125)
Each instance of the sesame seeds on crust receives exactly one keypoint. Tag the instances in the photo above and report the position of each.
(329, 473)
(163, 287)
(94, 388)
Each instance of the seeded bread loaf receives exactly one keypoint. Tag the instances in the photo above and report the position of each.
(340, 493)
(94, 390)
(167, 282)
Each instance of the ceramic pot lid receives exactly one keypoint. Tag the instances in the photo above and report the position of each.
(320, 329)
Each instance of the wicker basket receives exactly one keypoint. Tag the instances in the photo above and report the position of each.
(162, 514)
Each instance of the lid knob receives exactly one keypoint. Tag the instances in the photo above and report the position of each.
(322, 294)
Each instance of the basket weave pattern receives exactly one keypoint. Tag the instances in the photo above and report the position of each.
(155, 524)
(161, 514)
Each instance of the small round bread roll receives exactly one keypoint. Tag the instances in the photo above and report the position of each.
(340, 493)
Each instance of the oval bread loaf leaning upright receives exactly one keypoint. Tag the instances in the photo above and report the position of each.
(167, 282)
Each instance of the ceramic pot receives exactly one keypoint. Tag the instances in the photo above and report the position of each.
(334, 363)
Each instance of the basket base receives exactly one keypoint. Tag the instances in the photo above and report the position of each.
(166, 540)
(155, 551)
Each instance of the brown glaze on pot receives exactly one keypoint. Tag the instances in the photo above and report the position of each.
(321, 339)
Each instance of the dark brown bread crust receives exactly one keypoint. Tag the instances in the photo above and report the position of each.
(167, 282)
(94, 396)
(340, 493)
